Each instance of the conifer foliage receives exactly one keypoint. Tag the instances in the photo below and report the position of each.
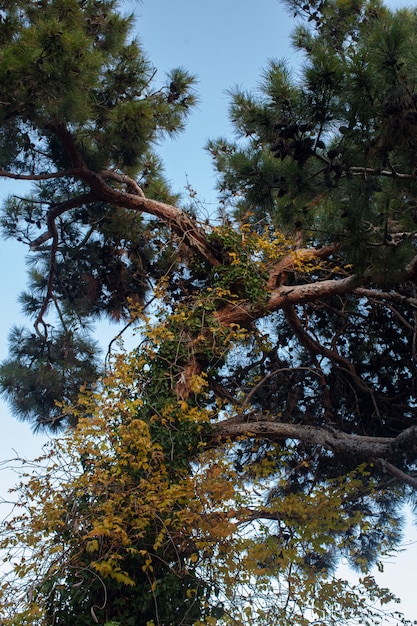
(265, 426)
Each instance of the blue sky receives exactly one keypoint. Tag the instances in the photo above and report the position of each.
(226, 43)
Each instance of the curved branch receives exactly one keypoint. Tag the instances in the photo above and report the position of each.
(52, 231)
(316, 348)
(180, 223)
(122, 178)
(377, 450)
(49, 288)
(58, 209)
(271, 375)
(287, 264)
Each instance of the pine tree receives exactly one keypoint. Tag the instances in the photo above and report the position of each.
(80, 102)
(275, 373)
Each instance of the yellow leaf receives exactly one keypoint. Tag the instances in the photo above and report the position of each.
(92, 546)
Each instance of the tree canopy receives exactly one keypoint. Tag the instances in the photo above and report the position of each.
(264, 428)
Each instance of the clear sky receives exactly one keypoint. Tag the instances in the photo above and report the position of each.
(226, 43)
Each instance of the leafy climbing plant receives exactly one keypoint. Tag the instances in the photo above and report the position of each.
(136, 516)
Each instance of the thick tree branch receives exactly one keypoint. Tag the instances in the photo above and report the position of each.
(362, 447)
(287, 264)
(388, 296)
(125, 180)
(246, 312)
(379, 450)
(180, 223)
(60, 130)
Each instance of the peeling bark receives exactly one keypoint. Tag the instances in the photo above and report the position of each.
(246, 312)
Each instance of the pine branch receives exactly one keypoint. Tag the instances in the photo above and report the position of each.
(180, 223)
(49, 289)
(122, 178)
(371, 171)
(287, 264)
(397, 473)
(389, 296)
(262, 426)
(59, 209)
(245, 313)
(46, 176)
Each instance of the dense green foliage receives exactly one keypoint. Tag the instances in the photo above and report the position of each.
(265, 426)
(72, 65)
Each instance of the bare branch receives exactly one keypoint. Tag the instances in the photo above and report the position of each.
(397, 473)
(390, 296)
(261, 426)
(246, 312)
(260, 384)
(287, 264)
(51, 216)
(58, 209)
(46, 176)
(370, 171)
(49, 289)
(314, 347)
(122, 178)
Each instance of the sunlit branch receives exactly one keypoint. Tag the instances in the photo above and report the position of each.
(287, 264)
(125, 180)
(247, 312)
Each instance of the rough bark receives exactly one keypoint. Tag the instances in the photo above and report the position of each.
(361, 447)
